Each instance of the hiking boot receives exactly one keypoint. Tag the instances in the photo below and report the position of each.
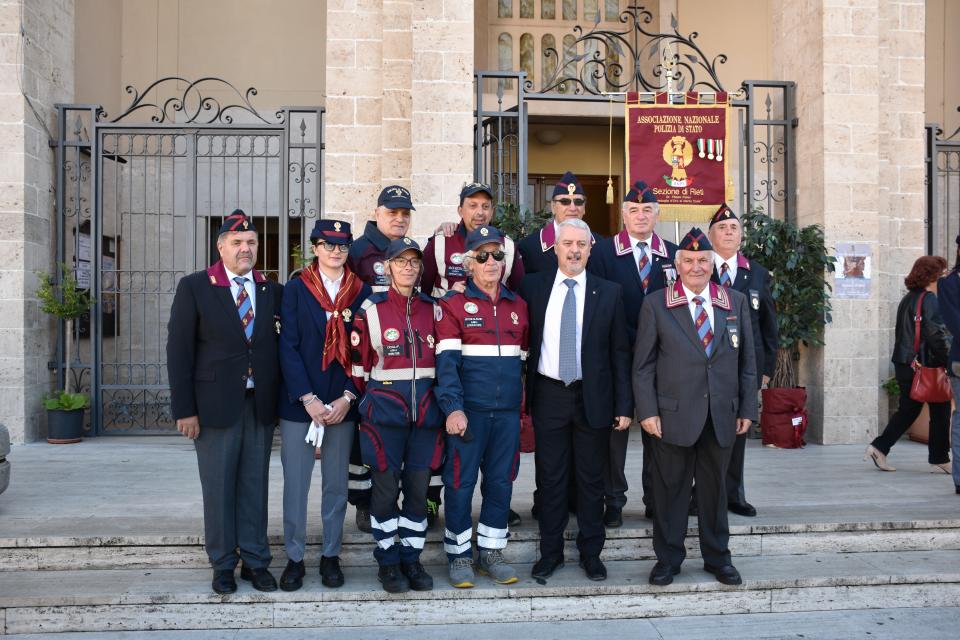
(392, 579)
(492, 564)
(363, 519)
(461, 573)
(419, 579)
(433, 511)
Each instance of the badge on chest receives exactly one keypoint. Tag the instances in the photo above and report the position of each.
(733, 332)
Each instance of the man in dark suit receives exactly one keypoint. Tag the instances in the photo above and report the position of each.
(734, 271)
(578, 390)
(224, 374)
(641, 262)
(694, 381)
(568, 202)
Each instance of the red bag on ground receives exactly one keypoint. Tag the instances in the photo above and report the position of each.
(783, 420)
(528, 443)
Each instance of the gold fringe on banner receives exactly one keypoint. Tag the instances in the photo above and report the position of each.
(696, 213)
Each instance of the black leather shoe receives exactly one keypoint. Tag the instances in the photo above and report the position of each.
(330, 573)
(393, 580)
(260, 579)
(513, 519)
(742, 509)
(593, 567)
(292, 577)
(224, 582)
(662, 574)
(544, 567)
(535, 512)
(419, 579)
(957, 487)
(613, 517)
(648, 512)
(727, 574)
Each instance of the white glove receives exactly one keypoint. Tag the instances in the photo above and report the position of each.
(314, 434)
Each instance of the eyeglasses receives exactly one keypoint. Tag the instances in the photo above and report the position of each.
(403, 263)
(566, 201)
(331, 247)
(483, 256)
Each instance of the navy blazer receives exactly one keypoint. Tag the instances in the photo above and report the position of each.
(303, 328)
(537, 252)
(753, 281)
(948, 295)
(612, 259)
(604, 351)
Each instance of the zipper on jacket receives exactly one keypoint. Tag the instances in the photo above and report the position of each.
(413, 356)
(496, 323)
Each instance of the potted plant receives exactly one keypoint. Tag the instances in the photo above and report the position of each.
(798, 261)
(518, 223)
(66, 302)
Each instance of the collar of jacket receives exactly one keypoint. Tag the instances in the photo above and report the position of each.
(473, 291)
(623, 244)
(372, 233)
(676, 297)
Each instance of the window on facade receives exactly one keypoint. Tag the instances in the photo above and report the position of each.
(612, 10)
(569, 67)
(505, 9)
(590, 8)
(569, 9)
(505, 55)
(548, 63)
(526, 54)
(548, 9)
(526, 9)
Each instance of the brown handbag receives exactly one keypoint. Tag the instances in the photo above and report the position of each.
(930, 384)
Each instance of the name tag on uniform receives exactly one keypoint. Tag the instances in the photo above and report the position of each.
(733, 332)
(473, 323)
(392, 350)
(454, 271)
(381, 281)
(755, 299)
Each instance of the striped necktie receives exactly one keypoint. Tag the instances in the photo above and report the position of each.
(644, 265)
(703, 325)
(725, 275)
(245, 307)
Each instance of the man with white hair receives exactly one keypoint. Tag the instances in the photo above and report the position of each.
(694, 382)
(641, 262)
(578, 393)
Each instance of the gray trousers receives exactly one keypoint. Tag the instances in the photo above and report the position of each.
(955, 433)
(614, 477)
(234, 468)
(297, 458)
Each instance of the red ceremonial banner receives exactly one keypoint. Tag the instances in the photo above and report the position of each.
(680, 151)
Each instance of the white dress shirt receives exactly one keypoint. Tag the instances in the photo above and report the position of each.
(707, 306)
(637, 251)
(251, 289)
(731, 265)
(332, 287)
(549, 364)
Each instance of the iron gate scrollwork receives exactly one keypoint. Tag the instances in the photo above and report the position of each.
(140, 197)
(943, 190)
(603, 63)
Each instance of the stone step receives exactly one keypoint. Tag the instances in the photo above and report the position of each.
(626, 543)
(131, 599)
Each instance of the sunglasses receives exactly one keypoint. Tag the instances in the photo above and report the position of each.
(407, 262)
(331, 247)
(483, 256)
(566, 201)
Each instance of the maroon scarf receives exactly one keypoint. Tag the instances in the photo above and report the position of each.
(335, 342)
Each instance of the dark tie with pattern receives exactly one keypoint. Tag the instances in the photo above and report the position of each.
(644, 265)
(568, 334)
(245, 307)
(725, 275)
(703, 325)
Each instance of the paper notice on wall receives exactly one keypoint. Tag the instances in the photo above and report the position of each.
(853, 275)
(83, 274)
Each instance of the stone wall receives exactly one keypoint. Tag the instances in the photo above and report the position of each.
(43, 65)
(399, 105)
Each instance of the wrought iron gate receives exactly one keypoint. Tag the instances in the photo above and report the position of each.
(943, 191)
(139, 200)
(599, 65)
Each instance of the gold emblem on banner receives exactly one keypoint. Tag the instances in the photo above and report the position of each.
(678, 153)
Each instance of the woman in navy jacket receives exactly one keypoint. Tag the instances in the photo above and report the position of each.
(948, 289)
(317, 391)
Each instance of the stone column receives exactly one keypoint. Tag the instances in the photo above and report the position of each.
(42, 63)
(860, 148)
(399, 105)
